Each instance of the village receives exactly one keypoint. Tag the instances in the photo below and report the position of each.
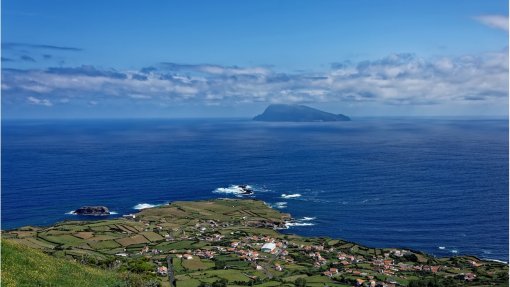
(266, 252)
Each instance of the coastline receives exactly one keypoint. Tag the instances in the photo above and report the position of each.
(208, 234)
(287, 226)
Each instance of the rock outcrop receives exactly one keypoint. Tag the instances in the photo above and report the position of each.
(92, 210)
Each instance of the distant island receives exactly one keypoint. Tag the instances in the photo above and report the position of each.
(297, 113)
(219, 243)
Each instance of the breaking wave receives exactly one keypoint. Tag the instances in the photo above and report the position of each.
(291, 224)
(307, 218)
(495, 260)
(305, 221)
(72, 213)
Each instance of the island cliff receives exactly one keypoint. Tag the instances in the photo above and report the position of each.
(297, 113)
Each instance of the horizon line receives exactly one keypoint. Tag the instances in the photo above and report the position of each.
(459, 117)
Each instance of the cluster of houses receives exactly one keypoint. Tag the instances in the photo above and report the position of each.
(247, 248)
(185, 256)
(386, 266)
(207, 254)
(381, 264)
(256, 249)
(147, 251)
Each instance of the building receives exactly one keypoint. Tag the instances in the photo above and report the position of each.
(268, 247)
(469, 276)
(145, 249)
(162, 270)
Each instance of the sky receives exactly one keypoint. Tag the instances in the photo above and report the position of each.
(100, 59)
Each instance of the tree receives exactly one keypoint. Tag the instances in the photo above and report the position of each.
(220, 283)
(300, 282)
(219, 264)
(141, 265)
(411, 257)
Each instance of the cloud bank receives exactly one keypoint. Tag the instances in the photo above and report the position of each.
(16, 46)
(494, 21)
(398, 79)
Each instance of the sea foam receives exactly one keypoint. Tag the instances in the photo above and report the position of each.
(73, 213)
(495, 260)
(141, 206)
(305, 221)
(280, 205)
(233, 189)
(291, 224)
(307, 218)
(295, 195)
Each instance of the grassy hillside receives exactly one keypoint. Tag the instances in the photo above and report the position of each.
(25, 266)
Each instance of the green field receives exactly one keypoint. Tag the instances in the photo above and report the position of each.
(24, 266)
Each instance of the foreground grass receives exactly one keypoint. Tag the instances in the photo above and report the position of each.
(25, 266)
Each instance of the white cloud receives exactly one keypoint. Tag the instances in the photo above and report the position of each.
(399, 79)
(41, 102)
(140, 97)
(494, 21)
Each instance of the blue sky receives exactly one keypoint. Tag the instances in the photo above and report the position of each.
(232, 58)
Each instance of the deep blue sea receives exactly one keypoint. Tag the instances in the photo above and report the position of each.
(435, 185)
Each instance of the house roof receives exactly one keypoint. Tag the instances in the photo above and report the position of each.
(269, 245)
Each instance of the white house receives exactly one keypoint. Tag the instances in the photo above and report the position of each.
(268, 247)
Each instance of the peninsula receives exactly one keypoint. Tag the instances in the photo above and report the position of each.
(297, 113)
(226, 242)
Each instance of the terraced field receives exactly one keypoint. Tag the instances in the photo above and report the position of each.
(219, 241)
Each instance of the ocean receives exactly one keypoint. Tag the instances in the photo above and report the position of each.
(434, 185)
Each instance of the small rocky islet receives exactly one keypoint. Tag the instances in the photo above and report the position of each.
(92, 211)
